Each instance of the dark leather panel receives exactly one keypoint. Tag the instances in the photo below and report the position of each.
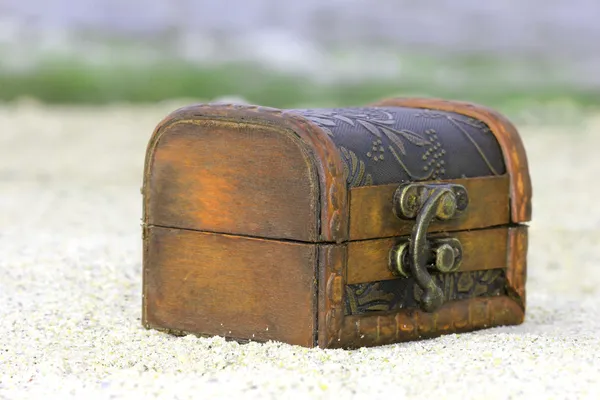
(393, 144)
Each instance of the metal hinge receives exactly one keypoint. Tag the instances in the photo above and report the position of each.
(413, 257)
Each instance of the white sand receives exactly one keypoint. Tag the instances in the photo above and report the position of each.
(70, 252)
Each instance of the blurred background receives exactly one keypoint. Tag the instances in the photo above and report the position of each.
(509, 54)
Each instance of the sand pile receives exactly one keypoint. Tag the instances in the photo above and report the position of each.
(70, 286)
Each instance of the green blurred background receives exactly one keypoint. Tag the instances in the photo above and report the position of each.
(281, 54)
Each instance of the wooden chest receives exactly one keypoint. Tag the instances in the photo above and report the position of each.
(352, 227)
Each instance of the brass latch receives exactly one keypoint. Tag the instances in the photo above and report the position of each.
(412, 257)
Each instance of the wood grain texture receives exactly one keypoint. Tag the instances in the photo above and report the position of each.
(236, 287)
(332, 262)
(413, 324)
(517, 263)
(507, 135)
(254, 171)
(372, 216)
(281, 167)
(234, 178)
(482, 250)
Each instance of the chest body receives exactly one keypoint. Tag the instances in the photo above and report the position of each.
(352, 227)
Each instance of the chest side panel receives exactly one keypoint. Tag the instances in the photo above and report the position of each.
(232, 177)
(231, 286)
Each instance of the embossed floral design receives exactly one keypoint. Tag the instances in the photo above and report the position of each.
(478, 282)
(380, 123)
(381, 139)
(354, 169)
(404, 293)
(365, 297)
(433, 156)
(459, 124)
(463, 285)
(376, 153)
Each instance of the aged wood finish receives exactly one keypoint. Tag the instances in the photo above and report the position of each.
(251, 231)
(269, 142)
(460, 316)
(334, 207)
(332, 262)
(405, 293)
(517, 262)
(483, 249)
(201, 181)
(236, 287)
(507, 135)
(371, 213)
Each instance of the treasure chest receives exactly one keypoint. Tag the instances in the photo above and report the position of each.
(335, 228)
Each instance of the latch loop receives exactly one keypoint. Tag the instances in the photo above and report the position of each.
(427, 202)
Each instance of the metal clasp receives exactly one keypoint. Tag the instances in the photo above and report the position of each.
(412, 257)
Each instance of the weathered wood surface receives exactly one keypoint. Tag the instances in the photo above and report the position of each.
(245, 170)
(236, 287)
(218, 178)
(414, 324)
(372, 216)
(250, 171)
(518, 243)
(482, 250)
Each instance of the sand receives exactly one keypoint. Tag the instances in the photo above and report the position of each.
(70, 284)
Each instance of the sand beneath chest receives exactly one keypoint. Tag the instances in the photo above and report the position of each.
(70, 286)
